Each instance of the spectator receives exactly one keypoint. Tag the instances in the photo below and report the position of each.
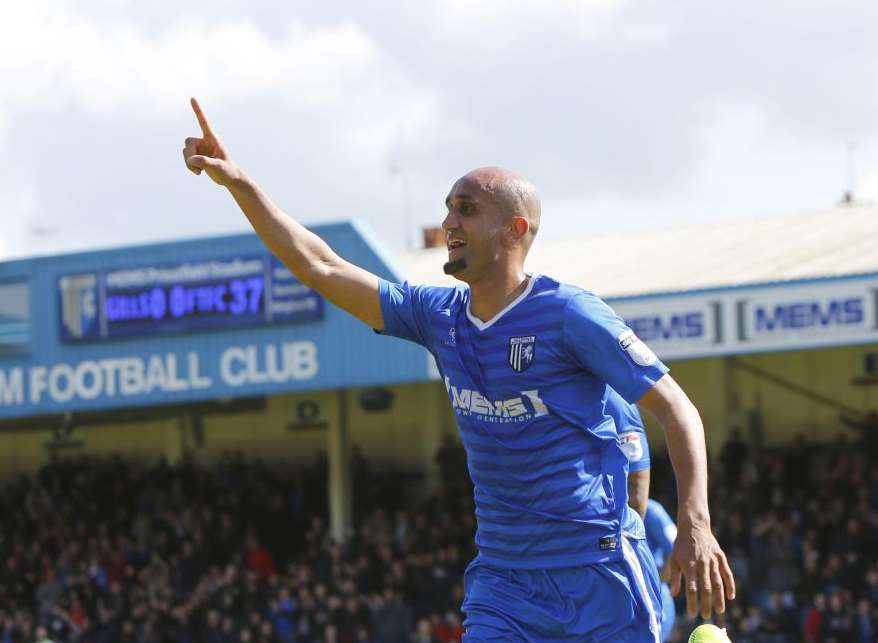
(814, 620)
(451, 460)
(258, 558)
(449, 630)
(43, 635)
(391, 619)
(865, 625)
(424, 632)
(839, 621)
(733, 455)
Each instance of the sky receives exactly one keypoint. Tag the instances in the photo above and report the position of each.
(627, 115)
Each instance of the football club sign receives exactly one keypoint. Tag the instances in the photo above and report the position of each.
(521, 352)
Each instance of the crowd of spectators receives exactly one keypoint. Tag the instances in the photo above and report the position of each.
(112, 551)
(800, 526)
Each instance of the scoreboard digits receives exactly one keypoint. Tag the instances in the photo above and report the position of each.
(228, 293)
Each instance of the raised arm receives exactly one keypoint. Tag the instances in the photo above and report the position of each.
(697, 555)
(307, 256)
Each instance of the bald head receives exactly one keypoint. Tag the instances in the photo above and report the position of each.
(493, 217)
(514, 195)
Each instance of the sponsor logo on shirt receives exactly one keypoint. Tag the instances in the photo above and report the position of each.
(608, 543)
(639, 352)
(468, 402)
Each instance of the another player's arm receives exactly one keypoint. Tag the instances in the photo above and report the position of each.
(638, 491)
(665, 571)
(632, 436)
(307, 256)
(666, 538)
(696, 554)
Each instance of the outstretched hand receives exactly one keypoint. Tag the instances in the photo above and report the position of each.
(208, 153)
(697, 557)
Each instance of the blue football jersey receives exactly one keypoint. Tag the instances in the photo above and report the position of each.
(528, 388)
(632, 435)
(661, 532)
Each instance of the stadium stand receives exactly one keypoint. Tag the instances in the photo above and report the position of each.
(114, 552)
(111, 551)
(800, 526)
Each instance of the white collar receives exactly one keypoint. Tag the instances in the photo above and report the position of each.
(484, 325)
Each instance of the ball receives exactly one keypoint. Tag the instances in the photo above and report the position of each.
(708, 633)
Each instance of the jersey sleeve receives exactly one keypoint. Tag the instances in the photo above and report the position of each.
(600, 342)
(663, 530)
(402, 309)
(632, 437)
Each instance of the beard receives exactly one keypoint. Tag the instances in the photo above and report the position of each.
(455, 266)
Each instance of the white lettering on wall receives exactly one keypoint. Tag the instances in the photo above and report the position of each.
(157, 373)
(11, 387)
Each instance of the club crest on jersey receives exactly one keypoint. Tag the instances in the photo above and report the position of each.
(521, 352)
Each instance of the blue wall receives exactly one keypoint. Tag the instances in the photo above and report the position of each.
(47, 375)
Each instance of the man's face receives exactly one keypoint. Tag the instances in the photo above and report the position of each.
(474, 228)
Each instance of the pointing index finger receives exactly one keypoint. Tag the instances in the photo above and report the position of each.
(202, 119)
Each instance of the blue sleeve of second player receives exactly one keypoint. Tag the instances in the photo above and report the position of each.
(401, 310)
(602, 343)
(660, 528)
(632, 436)
(636, 447)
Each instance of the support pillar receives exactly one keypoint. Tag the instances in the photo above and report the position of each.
(339, 479)
(734, 415)
(431, 435)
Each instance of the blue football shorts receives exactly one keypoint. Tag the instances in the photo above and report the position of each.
(613, 602)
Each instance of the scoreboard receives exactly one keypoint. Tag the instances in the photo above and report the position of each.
(224, 293)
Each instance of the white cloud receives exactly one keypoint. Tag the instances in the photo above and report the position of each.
(503, 26)
(467, 10)
(84, 73)
(644, 113)
(20, 203)
(867, 187)
(51, 53)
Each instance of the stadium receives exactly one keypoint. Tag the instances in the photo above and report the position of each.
(197, 447)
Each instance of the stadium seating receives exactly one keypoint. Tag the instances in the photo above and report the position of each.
(113, 551)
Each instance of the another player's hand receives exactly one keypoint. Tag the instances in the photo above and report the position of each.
(698, 559)
(208, 153)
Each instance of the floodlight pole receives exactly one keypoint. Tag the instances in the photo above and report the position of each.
(852, 168)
